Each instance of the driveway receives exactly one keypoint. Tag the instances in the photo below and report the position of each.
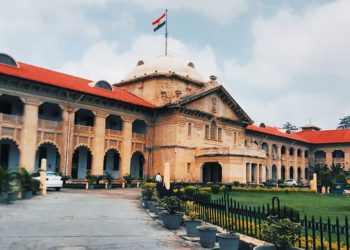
(84, 219)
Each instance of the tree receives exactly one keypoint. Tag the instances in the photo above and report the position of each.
(344, 122)
(289, 126)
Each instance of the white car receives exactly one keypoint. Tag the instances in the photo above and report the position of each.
(53, 180)
(290, 183)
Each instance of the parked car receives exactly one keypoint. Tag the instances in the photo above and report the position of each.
(53, 180)
(290, 183)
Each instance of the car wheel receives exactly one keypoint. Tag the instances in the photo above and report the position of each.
(58, 189)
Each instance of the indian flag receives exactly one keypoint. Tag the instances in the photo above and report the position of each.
(159, 22)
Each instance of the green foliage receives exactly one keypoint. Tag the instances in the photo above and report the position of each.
(281, 232)
(25, 180)
(171, 203)
(91, 178)
(215, 189)
(36, 185)
(344, 122)
(190, 192)
(148, 190)
(204, 196)
(108, 177)
(5, 180)
(236, 183)
(289, 126)
(128, 178)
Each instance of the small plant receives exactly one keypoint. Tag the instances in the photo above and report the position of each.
(65, 178)
(190, 211)
(25, 180)
(108, 177)
(215, 189)
(91, 178)
(281, 232)
(171, 203)
(128, 178)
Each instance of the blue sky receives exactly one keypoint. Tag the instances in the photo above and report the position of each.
(281, 60)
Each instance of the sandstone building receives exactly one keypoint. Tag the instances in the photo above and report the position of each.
(163, 111)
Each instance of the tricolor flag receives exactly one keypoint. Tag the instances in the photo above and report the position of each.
(159, 22)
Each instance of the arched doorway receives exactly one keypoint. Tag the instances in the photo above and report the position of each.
(81, 162)
(306, 174)
(111, 163)
(299, 174)
(274, 173)
(291, 172)
(49, 152)
(283, 173)
(212, 172)
(137, 165)
(9, 154)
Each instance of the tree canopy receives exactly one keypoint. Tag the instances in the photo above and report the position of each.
(344, 122)
(289, 126)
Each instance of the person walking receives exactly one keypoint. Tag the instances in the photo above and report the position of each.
(159, 178)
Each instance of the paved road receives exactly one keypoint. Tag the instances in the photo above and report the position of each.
(83, 219)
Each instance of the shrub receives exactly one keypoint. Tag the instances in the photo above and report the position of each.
(190, 192)
(281, 232)
(280, 181)
(206, 189)
(215, 189)
(236, 183)
(190, 211)
(204, 196)
(128, 179)
(289, 212)
(172, 204)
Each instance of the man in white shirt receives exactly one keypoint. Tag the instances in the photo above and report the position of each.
(159, 178)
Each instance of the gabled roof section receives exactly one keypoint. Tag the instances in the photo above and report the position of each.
(309, 136)
(224, 95)
(53, 78)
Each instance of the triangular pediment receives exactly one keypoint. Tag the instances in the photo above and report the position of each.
(218, 102)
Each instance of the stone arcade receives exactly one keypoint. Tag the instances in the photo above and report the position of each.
(163, 111)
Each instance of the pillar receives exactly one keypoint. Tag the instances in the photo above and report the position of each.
(127, 140)
(99, 145)
(29, 135)
(68, 136)
(248, 172)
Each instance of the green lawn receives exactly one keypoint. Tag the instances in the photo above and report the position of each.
(306, 203)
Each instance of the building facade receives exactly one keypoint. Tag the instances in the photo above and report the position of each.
(162, 112)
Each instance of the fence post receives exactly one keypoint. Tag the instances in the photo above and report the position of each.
(347, 232)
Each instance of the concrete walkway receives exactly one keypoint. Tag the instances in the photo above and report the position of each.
(83, 219)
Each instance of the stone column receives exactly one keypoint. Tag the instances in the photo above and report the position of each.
(29, 135)
(248, 172)
(126, 153)
(99, 144)
(257, 173)
(279, 164)
(68, 138)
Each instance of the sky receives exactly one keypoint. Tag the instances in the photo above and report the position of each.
(280, 60)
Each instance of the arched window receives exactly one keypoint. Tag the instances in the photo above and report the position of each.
(213, 130)
(102, 85)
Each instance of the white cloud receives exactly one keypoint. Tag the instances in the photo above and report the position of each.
(108, 61)
(221, 11)
(299, 66)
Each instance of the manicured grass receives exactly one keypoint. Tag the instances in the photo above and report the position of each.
(306, 203)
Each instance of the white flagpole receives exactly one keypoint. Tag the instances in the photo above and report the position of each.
(166, 31)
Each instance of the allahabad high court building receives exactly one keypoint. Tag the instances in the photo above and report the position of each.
(163, 111)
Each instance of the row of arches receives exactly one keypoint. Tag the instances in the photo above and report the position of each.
(292, 173)
(13, 105)
(81, 160)
(283, 150)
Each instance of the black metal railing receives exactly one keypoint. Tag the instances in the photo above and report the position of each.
(234, 216)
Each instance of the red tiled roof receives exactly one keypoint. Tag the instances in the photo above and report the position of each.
(50, 77)
(310, 136)
(326, 136)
